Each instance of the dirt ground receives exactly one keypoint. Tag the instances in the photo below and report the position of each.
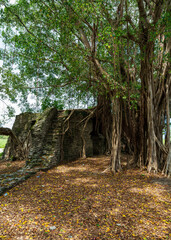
(84, 200)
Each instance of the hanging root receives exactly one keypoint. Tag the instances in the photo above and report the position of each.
(63, 133)
(86, 119)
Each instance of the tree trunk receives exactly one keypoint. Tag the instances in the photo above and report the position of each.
(141, 134)
(9, 132)
(83, 147)
(82, 133)
(167, 140)
(16, 149)
(151, 149)
(167, 168)
(147, 44)
(146, 75)
(116, 135)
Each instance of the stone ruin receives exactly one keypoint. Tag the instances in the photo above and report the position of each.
(54, 136)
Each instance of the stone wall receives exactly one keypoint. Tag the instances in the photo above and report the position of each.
(38, 135)
(54, 135)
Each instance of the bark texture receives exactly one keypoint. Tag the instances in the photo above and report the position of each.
(116, 135)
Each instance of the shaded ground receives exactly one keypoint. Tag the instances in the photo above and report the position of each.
(10, 167)
(83, 200)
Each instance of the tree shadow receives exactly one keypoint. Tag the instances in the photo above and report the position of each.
(83, 202)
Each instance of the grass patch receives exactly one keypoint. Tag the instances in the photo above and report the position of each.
(3, 141)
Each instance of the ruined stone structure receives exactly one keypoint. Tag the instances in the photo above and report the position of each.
(53, 136)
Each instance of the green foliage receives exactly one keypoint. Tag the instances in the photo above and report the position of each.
(73, 48)
(52, 103)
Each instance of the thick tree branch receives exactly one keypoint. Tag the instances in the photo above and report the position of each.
(143, 14)
(84, 39)
(158, 10)
(48, 6)
(9, 132)
(161, 146)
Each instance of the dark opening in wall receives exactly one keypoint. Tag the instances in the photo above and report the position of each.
(33, 122)
(98, 139)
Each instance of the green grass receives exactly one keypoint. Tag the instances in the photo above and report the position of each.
(3, 141)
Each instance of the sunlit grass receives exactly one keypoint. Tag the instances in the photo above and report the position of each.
(3, 141)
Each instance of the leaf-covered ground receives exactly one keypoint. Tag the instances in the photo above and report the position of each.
(7, 167)
(83, 200)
